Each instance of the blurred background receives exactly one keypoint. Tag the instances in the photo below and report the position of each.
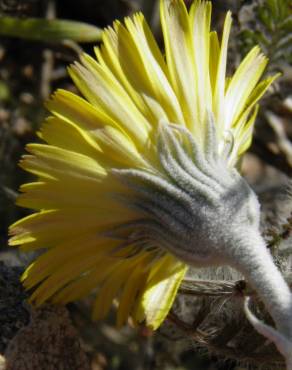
(36, 46)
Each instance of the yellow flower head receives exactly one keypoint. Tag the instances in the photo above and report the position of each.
(123, 167)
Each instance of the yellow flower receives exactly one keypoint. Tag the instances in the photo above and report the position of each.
(107, 208)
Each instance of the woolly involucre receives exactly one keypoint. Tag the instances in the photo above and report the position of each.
(137, 179)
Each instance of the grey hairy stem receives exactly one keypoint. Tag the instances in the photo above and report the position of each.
(197, 207)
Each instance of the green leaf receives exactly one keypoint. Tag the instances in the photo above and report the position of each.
(278, 8)
(284, 8)
(287, 24)
(265, 17)
(271, 29)
(274, 7)
(49, 30)
(4, 92)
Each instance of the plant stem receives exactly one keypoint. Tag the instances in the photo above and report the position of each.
(255, 262)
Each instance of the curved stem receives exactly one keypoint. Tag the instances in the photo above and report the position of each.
(254, 261)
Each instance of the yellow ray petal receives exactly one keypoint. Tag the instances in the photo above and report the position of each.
(200, 20)
(160, 291)
(179, 56)
(78, 111)
(70, 271)
(86, 283)
(242, 84)
(71, 250)
(110, 289)
(118, 54)
(69, 107)
(134, 285)
(219, 92)
(259, 91)
(245, 135)
(243, 127)
(47, 228)
(56, 194)
(213, 59)
(67, 135)
(155, 70)
(56, 163)
(102, 89)
(122, 150)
